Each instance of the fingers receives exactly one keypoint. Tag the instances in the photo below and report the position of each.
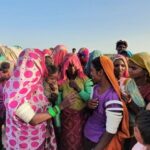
(70, 96)
(93, 104)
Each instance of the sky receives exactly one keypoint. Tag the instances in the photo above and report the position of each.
(95, 24)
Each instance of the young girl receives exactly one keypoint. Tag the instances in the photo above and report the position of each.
(50, 84)
(142, 131)
(102, 129)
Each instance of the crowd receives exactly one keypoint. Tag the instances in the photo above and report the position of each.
(55, 100)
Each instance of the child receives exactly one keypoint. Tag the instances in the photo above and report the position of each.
(142, 131)
(50, 84)
(4, 76)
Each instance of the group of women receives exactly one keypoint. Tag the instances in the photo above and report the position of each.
(91, 100)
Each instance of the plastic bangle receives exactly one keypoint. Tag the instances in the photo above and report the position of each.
(57, 108)
(51, 111)
(129, 101)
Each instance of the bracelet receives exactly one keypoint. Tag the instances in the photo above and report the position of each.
(57, 108)
(129, 101)
(51, 111)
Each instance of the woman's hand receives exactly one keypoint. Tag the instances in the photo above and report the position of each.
(92, 104)
(68, 101)
(74, 85)
(126, 98)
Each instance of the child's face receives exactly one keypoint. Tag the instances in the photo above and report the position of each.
(137, 134)
(5, 70)
(53, 77)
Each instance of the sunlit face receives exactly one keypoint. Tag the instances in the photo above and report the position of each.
(121, 47)
(119, 67)
(95, 74)
(49, 60)
(135, 71)
(52, 78)
(71, 69)
(83, 58)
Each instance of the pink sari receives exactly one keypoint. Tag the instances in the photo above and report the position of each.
(26, 83)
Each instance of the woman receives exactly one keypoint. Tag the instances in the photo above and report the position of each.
(130, 94)
(83, 55)
(60, 52)
(92, 56)
(107, 127)
(73, 80)
(139, 70)
(24, 93)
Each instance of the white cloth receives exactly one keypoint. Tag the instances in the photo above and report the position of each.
(139, 146)
(113, 120)
(25, 112)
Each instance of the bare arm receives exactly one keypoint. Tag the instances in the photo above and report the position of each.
(105, 140)
(39, 118)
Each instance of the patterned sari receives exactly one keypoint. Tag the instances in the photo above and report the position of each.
(26, 84)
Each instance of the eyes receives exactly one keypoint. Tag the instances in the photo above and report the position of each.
(119, 65)
(132, 68)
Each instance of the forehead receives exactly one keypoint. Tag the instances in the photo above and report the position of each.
(134, 65)
(121, 45)
(119, 61)
(131, 63)
(53, 75)
(92, 67)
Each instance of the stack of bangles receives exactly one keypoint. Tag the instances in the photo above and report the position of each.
(53, 111)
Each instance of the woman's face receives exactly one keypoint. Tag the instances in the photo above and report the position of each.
(83, 58)
(119, 67)
(49, 60)
(135, 71)
(95, 74)
(71, 69)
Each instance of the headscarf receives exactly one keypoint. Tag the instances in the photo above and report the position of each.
(126, 53)
(142, 60)
(29, 71)
(9, 54)
(71, 58)
(84, 54)
(93, 55)
(123, 131)
(108, 68)
(17, 50)
(60, 52)
(47, 52)
(118, 57)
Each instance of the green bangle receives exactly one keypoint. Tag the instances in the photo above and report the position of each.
(57, 108)
(51, 111)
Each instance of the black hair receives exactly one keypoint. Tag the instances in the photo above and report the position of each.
(5, 65)
(97, 64)
(120, 42)
(51, 69)
(143, 123)
(73, 50)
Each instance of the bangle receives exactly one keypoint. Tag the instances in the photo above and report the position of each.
(57, 108)
(51, 111)
(129, 101)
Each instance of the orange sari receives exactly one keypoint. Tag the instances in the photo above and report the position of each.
(123, 131)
